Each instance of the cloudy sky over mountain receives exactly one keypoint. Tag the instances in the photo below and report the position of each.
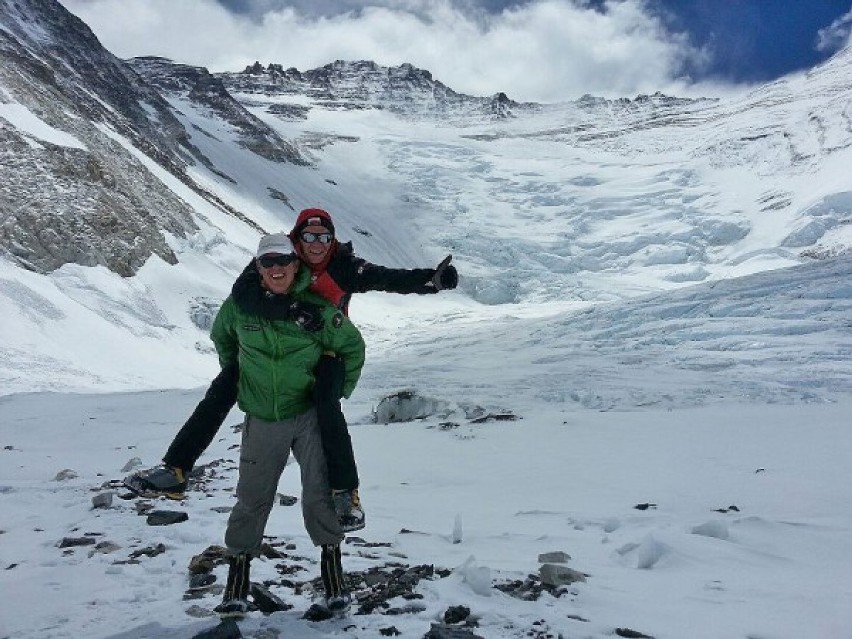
(544, 50)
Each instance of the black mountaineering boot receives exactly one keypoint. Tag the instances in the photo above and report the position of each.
(235, 603)
(337, 597)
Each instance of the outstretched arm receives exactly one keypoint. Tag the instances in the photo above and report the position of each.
(371, 277)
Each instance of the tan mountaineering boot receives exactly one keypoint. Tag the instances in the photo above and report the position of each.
(350, 513)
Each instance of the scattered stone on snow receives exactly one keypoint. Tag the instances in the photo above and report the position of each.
(148, 551)
(227, 629)
(730, 508)
(201, 580)
(73, 542)
(10, 566)
(559, 575)
(207, 560)
(266, 601)
(287, 500)
(199, 612)
(390, 631)
(456, 614)
(65, 475)
(495, 417)
(143, 507)
(529, 589)
(166, 517)
(645, 506)
(406, 406)
(555, 557)
(222, 509)
(102, 500)
(631, 634)
(317, 613)
(104, 548)
(443, 631)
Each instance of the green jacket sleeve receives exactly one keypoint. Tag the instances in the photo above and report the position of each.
(224, 334)
(342, 337)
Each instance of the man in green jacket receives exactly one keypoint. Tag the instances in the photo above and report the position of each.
(276, 360)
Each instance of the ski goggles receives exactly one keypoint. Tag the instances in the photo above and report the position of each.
(268, 261)
(322, 238)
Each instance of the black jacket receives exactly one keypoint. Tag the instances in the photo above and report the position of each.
(345, 274)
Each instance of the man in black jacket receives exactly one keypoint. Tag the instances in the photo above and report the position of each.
(336, 273)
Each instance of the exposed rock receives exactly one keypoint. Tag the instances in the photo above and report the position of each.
(149, 551)
(166, 517)
(406, 406)
(73, 542)
(104, 548)
(317, 613)
(102, 500)
(558, 575)
(555, 557)
(266, 601)
(287, 500)
(65, 475)
(456, 614)
(443, 631)
(631, 634)
(207, 560)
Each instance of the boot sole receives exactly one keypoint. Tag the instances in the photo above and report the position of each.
(153, 494)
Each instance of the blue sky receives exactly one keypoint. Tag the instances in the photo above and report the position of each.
(538, 50)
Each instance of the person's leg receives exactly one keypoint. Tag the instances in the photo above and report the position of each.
(337, 444)
(318, 510)
(337, 596)
(263, 455)
(235, 597)
(317, 506)
(336, 441)
(194, 437)
(199, 430)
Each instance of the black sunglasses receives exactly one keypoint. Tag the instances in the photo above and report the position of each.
(268, 261)
(322, 238)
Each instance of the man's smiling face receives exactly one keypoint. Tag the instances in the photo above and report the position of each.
(276, 276)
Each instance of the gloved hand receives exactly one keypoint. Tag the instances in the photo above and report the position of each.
(446, 276)
(306, 315)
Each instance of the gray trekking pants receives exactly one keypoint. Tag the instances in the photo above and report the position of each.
(265, 449)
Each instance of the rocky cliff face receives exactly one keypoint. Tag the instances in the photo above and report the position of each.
(404, 90)
(83, 135)
(71, 190)
(197, 85)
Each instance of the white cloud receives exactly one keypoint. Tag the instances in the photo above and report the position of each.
(837, 35)
(546, 51)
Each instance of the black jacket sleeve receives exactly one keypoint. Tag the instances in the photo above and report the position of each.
(356, 275)
(251, 298)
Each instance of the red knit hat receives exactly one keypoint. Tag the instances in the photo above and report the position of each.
(312, 217)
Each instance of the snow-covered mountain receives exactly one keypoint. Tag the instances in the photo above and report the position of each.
(165, 174)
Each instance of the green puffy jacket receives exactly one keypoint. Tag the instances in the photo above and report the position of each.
(277, 358)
